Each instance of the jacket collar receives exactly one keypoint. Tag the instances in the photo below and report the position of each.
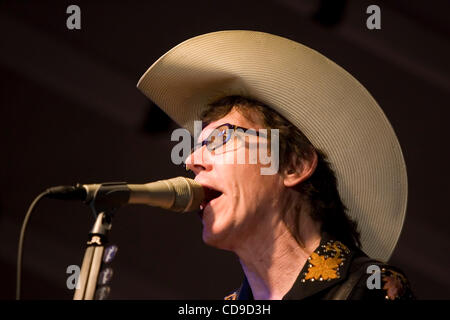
(327, 266)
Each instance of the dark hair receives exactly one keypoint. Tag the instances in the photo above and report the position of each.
(320, 189)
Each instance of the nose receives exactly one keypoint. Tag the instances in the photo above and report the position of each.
(199, 160)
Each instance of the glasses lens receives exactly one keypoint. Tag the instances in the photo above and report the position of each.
(218, 138)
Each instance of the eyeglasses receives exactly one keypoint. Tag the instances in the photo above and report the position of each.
(222, 134)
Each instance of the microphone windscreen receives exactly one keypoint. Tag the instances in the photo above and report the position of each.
(189, 194)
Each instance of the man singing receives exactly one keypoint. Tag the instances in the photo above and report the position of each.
(321, 217)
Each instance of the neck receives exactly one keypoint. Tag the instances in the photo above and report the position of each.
(272, 260)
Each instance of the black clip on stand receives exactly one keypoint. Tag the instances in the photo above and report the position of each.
(107, 198)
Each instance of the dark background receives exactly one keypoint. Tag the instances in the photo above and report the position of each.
(70, 112)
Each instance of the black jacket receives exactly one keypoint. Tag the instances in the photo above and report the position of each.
(336, 272)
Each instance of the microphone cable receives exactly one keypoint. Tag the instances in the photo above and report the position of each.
(21, 240)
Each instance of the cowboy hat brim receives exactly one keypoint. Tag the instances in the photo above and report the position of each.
(335, 112)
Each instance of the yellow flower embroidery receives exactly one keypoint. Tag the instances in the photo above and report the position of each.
(325, 268)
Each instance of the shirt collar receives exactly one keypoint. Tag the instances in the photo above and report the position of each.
(327, 266)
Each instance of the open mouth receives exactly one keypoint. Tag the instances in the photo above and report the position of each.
(210, 194)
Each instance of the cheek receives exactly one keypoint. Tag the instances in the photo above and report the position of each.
(257, 191)
(244, 184)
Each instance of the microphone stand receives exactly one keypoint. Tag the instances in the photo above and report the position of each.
(92, 261)
(106, 199)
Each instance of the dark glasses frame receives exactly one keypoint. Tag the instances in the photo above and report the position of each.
(206, 142)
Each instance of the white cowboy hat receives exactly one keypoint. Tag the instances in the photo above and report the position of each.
(335, 112)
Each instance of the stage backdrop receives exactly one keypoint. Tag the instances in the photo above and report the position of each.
(70, 112)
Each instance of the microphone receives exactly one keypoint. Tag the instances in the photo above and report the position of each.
(177, 194)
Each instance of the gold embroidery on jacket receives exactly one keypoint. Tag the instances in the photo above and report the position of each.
(325, 262)
(394, 284)
(232, 296)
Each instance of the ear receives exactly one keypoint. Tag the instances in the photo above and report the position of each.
(298, 171)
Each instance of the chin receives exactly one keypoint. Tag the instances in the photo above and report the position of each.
(210, 238)
(216, 240)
